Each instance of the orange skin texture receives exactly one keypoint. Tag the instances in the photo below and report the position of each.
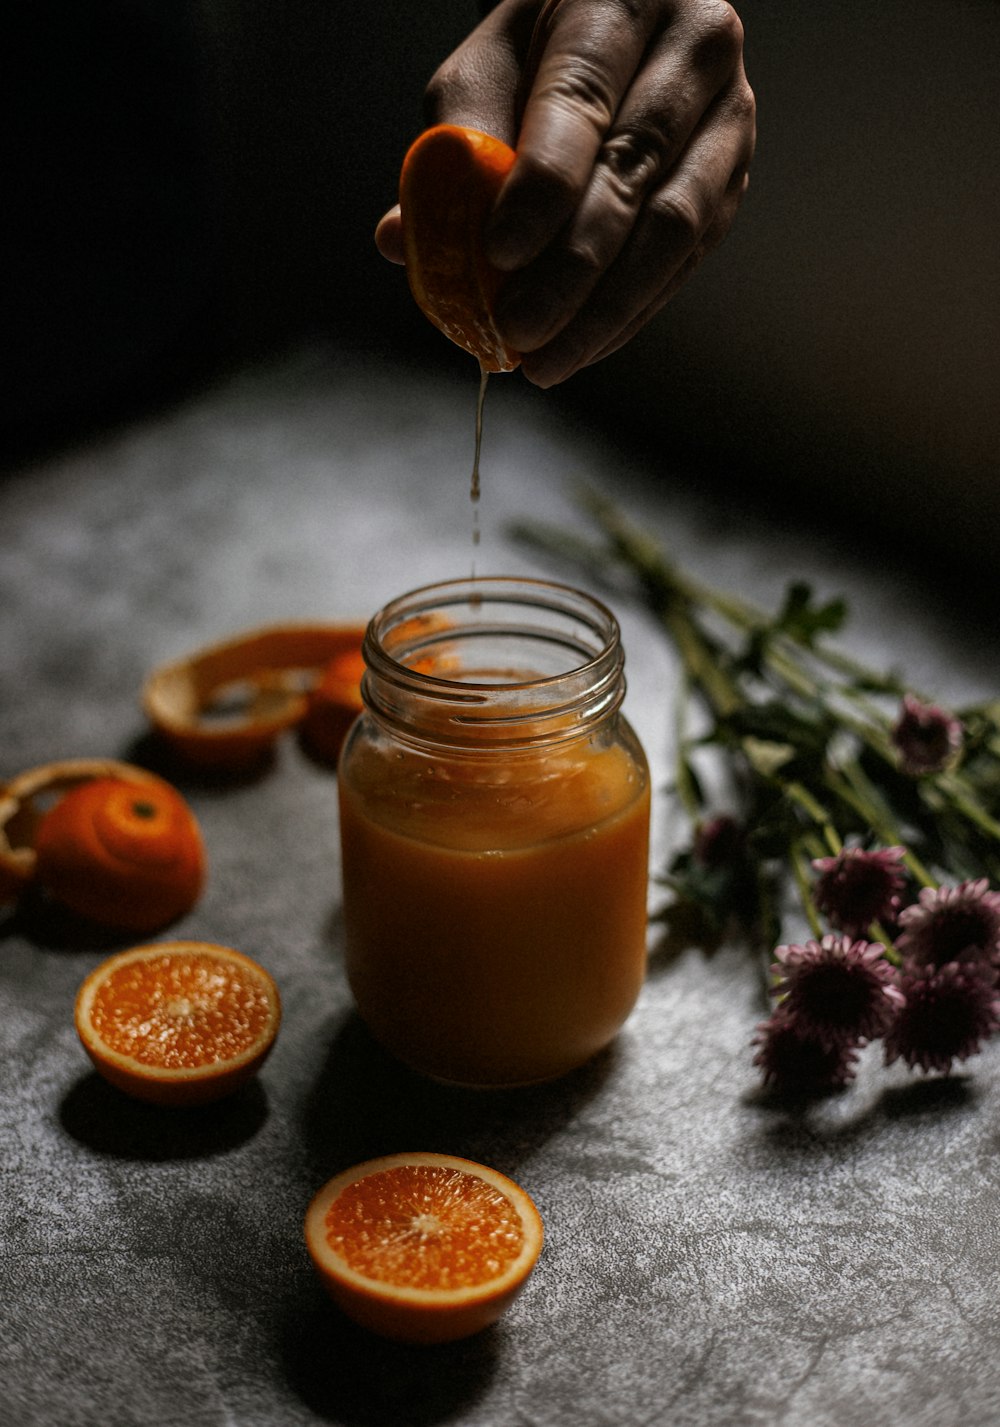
(239, 988)
(125, 856)
(448, 185)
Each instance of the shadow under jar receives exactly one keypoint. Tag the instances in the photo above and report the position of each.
(494, 814)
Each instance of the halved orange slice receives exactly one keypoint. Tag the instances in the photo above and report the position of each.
(423, 1248)
(178, 1022)
(450, 180)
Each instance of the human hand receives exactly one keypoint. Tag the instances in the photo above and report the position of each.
(634, 129)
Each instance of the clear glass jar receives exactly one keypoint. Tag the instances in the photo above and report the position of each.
(494, 815)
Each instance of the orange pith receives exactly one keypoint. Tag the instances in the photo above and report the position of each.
(422, 1226)
(178, 1022)
(423, 1247)
(450, 180)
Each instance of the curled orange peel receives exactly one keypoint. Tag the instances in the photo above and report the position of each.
(268, 673)
(122, 854)
(24, 802)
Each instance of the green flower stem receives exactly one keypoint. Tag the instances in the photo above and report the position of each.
(953, 786)
(805, 800)
(812, 722)
(877, 932)
(800, 871)
(849, 783)
(683, 781)
(701, 662)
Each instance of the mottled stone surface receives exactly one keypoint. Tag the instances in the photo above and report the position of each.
(711, 1259)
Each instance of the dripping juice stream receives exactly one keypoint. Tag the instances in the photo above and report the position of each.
(474, 489)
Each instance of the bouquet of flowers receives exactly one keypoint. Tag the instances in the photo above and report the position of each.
(869, 802)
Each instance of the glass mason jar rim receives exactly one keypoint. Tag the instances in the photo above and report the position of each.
(511, 704)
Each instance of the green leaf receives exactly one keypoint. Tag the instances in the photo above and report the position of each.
(802, 620)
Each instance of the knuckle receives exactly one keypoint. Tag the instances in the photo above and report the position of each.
(632, 157)
(720, 43)
(587, 261)
(546, 177)
(678, 217)
(450, 90)
(583, 88)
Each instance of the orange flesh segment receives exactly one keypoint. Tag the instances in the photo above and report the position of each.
(180, 1013)
(425, 1226)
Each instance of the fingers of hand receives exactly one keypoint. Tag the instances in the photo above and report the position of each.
(477, 85)
(583, 59)
(657, 116)
(681, 220)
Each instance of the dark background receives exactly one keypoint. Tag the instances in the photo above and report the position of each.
(193, 184)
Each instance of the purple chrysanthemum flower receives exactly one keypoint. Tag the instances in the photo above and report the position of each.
(856, 888)
(948, 1012)
(951, 924)
(836, 991)
(927, 738)
(799, 1065)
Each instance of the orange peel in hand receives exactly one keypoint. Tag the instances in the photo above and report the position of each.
(448, 185)
(423, 1248)
(267, 672)
(178, 1023)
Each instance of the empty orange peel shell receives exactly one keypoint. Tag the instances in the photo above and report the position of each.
(270, 672)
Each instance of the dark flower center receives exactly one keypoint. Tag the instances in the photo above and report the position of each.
(955, 931)
(832, 995)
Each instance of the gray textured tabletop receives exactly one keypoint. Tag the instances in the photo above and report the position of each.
(710, 1258)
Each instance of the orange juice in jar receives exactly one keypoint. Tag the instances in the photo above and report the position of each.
(494, 810)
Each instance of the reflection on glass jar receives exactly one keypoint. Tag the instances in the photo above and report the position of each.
(494, 808)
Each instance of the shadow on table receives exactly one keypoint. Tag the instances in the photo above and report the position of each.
(347, 1375)
(365, 1103)
(846, 1117)
(47, 926)
(103, 1119)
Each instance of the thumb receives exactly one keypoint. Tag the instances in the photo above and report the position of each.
(389, 236)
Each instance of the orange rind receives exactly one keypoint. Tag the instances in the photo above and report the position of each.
(224, 706)
(423, 1248)
(26, 799)
(125, 855)
(450, 179)
(178, 1023)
